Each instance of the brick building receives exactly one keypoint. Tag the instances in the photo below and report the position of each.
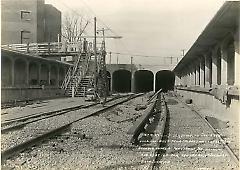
(30, 21)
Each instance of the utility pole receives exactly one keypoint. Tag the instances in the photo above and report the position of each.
(117, 58)
(95, 56)
(110, 55)
(100, 78)
(131, 65)
(103, 31)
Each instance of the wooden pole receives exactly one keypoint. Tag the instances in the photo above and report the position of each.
(95, 55)
(110, 55)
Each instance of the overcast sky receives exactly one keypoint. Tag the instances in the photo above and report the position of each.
(149, 27)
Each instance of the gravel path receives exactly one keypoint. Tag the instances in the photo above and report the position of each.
(99, 142)
(36, 128)
(229, 130)
(41, 107)
(189, 143)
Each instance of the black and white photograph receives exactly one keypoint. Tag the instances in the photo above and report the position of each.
(120, 84)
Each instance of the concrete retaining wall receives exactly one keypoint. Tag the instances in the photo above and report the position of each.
(32, 93)
(219, 110)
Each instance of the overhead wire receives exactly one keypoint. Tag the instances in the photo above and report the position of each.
(112, 31)
(139, 55)
(105, 25)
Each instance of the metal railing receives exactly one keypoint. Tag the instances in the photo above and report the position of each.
(82, 73)
(67, 79)
(50, 47)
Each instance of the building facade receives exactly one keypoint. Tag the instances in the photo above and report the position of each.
(209, 73)
(29, 21)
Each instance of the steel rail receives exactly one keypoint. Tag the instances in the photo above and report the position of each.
(229, 150)
(23, 146)
(160, 129)
(46, 114)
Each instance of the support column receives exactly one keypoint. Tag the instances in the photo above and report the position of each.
(237, 59)
(214, 69)
(154, 82)
(187, 73)
(13, 72)
(207, 71)
(197, 74)
(27, 73)
(189, 78)
(193, 76)
(180, 80)
(183, 78)
(219, 60)
(177, 81)
(223, 66)
(202, 72)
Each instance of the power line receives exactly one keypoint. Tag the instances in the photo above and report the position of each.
(139, 55)
(105, 25)
(77, 13)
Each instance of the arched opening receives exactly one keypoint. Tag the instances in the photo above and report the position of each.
(122, 81)
(33, 73)
(109, 80)
(44, 74)
(53, 76)
(143, 81)
(165, 80)
(61, 75)
(20, 72)
(6, 72)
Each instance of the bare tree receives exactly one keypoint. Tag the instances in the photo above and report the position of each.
(73, 27)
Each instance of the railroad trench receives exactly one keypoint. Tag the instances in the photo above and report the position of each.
(102, 141)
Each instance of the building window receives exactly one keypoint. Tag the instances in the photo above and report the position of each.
(25, 15)
(25, 36)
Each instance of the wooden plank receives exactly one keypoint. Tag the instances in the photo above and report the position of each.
(141, 122)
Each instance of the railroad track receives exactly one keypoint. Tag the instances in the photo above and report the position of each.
(187, 141)
(21, 146)
(19, 122)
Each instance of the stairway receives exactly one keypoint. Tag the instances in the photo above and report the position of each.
(87, 81)
(80, 76)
